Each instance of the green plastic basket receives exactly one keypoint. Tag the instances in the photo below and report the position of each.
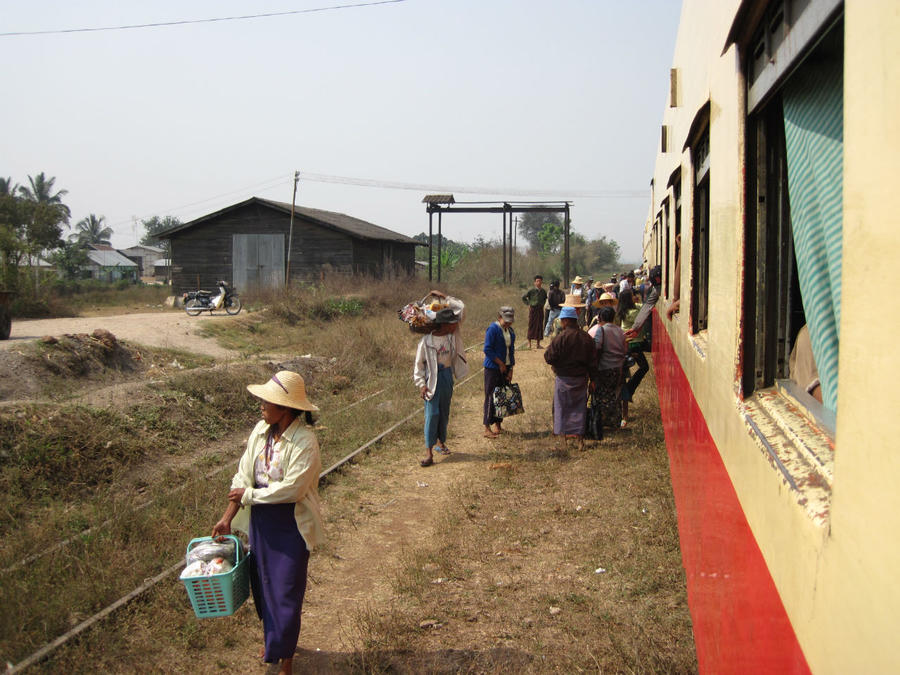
(219, 594)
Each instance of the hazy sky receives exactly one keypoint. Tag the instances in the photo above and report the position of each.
(560, 98)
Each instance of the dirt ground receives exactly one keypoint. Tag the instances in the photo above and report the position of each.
(393, 505)
(171, 330)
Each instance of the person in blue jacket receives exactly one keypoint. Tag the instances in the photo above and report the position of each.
(499, 359)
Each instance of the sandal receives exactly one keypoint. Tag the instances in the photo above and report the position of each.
(442, 450)
(428, 461)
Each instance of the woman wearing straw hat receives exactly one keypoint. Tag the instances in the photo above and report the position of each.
(274, 498)
(574, 301)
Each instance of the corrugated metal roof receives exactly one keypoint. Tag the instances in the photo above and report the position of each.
(338, 221)
(110, 258)
(438, 199)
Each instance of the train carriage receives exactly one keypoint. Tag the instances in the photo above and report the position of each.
(772, 216)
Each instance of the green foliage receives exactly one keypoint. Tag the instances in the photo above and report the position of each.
(451, 251)
(532, 224)
(153, 226)
(31, 221)
(92, 230)
(69, 258)
(550, 238)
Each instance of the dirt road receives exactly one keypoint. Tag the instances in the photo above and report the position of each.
(173, 330)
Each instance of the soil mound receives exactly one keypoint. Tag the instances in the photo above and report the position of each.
(83, 355)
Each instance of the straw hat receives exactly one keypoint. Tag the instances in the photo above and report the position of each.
(286, 389)
(608, 287)
(605, 300)
(573, 300)
(598, 284)
(577, 280)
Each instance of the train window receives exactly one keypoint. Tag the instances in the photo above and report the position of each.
(794, 223)
(700, 235)
(667, 236)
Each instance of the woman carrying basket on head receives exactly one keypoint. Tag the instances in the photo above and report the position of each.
(440, 358)
(274, 498)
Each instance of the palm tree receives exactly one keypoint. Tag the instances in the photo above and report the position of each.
(41, 191)
(92, 230)
(7, 188)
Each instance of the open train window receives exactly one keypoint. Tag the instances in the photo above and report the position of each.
(793, 232)
(700, 235)
(773, 308)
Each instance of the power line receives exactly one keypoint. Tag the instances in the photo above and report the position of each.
(160, 24)
(519, 192)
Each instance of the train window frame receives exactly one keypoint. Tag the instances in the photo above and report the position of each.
(700, 232)
(772, 303)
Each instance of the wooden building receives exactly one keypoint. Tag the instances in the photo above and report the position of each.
(246, 244)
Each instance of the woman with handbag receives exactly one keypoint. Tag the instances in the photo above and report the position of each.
(611, 352)
(499, 359)
(274, 498)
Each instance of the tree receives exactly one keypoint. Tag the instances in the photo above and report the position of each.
(69, 258)
(41, 192)
(550, 238)
(92, 230)
(45, 214)
(153, 226)
(531, 225)
(605, 253)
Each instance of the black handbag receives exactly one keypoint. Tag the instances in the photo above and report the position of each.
(594, 420)
(507, 400)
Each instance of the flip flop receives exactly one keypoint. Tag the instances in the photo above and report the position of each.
(442, 451)
(428, 461)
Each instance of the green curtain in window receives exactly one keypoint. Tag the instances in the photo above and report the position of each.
(813, 101)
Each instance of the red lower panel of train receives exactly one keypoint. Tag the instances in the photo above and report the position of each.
(740, 625)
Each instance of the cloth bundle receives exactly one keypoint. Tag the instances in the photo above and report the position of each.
(430, 312)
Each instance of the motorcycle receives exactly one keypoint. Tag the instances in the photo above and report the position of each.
(204, 301)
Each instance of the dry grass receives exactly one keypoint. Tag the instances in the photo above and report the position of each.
(164, 444)
(514, 566)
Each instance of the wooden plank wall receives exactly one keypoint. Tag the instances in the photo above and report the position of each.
(202, 255)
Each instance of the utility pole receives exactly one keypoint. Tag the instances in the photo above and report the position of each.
(287, 270)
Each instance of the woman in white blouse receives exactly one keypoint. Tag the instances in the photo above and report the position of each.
(274, 498)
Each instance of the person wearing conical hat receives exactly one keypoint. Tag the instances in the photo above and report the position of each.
(575, 302)
(274, 498)
(577, 286)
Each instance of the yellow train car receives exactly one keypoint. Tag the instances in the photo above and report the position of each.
(772, 214)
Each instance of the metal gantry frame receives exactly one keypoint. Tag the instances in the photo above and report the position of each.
(446, 203)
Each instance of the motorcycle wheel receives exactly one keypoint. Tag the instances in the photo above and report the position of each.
(233, 305)
(193, 307)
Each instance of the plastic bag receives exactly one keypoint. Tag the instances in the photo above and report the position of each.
(209, 550)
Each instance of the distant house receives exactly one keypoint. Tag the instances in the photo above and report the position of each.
(106, 264)
(146, 258)
(246, 244)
